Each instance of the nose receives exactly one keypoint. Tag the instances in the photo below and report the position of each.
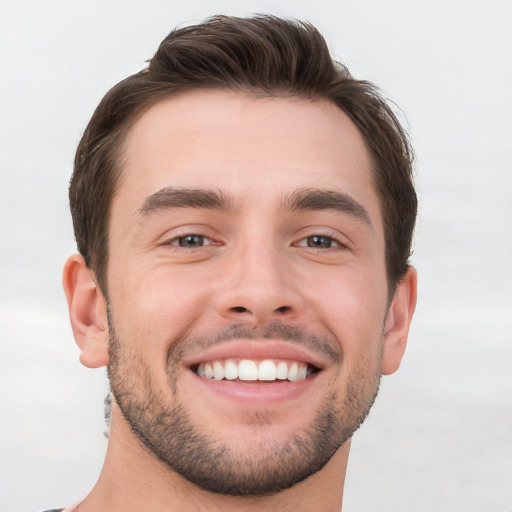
(259, 287)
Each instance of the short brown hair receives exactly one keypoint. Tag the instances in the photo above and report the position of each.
(261, 55)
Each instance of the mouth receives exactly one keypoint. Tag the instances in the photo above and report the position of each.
(252, 373)
(253, 370)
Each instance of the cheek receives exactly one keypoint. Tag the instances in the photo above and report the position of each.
(352, 304)
(155, 307)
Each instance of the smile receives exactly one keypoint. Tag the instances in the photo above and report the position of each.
(253, 370)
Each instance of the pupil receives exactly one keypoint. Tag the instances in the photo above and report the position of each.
(319, 241)
(191, 241)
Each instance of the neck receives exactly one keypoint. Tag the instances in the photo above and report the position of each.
(132, 479)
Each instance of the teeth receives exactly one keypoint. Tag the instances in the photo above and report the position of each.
(293, 372)
(230, 370)
(267, 370)
(218, 370)
(246, 369)
(208, 371)
(282, 371)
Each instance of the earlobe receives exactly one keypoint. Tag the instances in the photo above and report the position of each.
(87, 312)
(398, 322)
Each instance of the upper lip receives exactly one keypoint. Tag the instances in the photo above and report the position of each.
(256, 350)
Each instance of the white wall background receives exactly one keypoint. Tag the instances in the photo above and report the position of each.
(439, 438)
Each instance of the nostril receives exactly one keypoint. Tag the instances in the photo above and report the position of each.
(241, 309)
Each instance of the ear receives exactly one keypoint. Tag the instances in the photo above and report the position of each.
(87, 312)
(398, 322)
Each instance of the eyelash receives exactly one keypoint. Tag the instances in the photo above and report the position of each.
(333, 243)
(176, 242)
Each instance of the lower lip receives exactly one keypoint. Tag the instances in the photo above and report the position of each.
(256, 392)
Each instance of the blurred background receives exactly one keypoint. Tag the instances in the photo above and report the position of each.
(439, 437)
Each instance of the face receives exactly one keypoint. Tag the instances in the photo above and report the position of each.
(247, 287)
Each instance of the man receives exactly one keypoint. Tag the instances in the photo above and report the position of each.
(244, 210)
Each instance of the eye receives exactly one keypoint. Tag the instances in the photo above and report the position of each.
(319, 242)
(191, 241)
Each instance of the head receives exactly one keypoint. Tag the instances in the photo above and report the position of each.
(262, 56)
(242, 205)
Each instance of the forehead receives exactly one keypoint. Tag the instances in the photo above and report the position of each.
(250, 147)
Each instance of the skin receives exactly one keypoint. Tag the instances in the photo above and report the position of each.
(255, 269)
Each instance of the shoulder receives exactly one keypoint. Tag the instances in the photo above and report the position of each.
(65, 509)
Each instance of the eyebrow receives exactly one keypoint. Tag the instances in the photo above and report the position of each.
(172, 197)
(319, 199)
(303, 199)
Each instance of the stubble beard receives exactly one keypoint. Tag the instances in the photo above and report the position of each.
(265, 466)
